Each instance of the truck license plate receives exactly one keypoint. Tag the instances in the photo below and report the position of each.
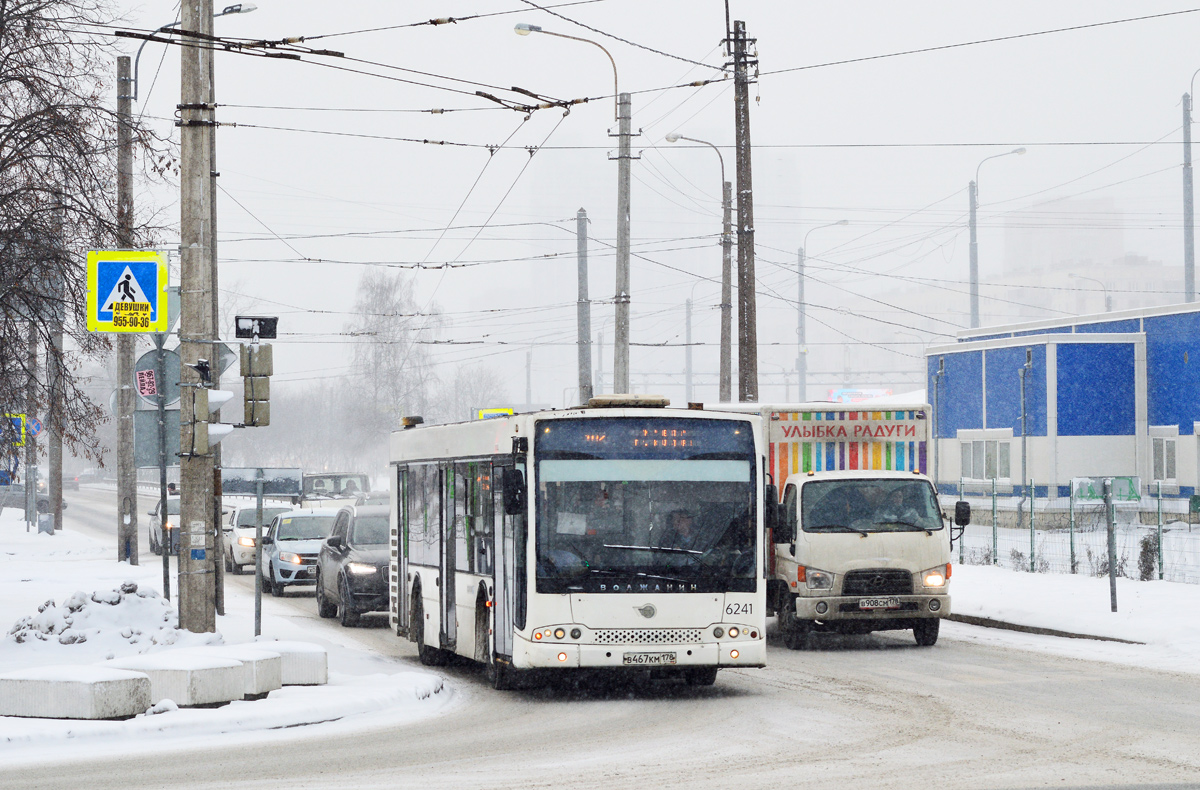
(879, 603)
(648, 659)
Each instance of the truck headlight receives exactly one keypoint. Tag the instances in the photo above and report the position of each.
(818, 580)
(360, 568)
(935, 577)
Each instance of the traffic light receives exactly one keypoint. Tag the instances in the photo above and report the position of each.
(206, 431)
(257, 367)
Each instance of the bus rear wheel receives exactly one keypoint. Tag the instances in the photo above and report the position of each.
(429, 656)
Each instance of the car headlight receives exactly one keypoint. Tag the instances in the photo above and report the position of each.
(294, 559)
(936, 577)
(360, 568)
(246, 542)
(815, 579)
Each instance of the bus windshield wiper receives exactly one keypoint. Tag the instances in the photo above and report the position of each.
(639, 574)
(832, 527)
(913, 527)
(665, 549)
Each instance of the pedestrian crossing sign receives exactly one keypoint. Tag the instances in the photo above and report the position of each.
(127, 291)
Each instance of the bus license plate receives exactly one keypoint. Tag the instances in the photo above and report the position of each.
(879, 603)
(649, 659)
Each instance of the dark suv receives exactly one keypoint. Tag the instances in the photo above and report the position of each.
(352, 568)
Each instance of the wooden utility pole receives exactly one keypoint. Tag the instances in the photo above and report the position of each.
(198, 548)
(127, 526)
(747, 312)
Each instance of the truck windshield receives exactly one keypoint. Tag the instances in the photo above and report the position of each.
(865, 505)
(645, 505)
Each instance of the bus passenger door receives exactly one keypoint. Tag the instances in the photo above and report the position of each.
(399, 564)
(448, 636)
(508, 589)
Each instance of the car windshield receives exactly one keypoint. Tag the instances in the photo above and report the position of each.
(304, 527)
(246, 516)
(865, 505)
(632, 504)
(369, 531)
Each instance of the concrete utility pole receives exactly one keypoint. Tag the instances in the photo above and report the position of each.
(726, 393)
(1189, 233)
(583, 310)
(747, 312)
(621, 343)
(197, 546)
(687, 354)
(127, 507)
(54, 409)
(529, 377)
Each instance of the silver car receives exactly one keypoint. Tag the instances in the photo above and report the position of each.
(291, 546)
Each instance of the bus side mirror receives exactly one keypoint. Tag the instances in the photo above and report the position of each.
(513, 483)
(962, 513)
(770, 507)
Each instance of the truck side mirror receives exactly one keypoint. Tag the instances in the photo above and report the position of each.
(513, 483)
(962, 513)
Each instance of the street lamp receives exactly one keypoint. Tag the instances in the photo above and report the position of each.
(974, 190)
(801, 339)
(624, 134)
(726, 379)
(1189, 246)
(1107, 297)
(238, 8)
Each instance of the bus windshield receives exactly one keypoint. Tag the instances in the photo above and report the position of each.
(645, 504)
(335, 485)
(864, 505)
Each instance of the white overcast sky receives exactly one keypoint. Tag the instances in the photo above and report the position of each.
(919, 124)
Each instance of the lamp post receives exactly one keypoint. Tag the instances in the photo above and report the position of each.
(238, 8)
(801, 338)
(726, 378)
(1107, 296)
(624, 134)
(974, 192)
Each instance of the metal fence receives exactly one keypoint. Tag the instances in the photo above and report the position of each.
(1064, 535)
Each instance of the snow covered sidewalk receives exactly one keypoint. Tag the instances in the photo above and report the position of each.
(65, 601)
(1160, 615)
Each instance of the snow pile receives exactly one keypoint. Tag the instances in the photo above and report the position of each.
(118, 621)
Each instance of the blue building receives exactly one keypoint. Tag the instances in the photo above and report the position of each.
(1116, 394)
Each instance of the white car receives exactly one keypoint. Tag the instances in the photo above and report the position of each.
(239, 529)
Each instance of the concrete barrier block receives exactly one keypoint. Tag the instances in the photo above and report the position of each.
(262, 668)
(186, 678)
(74, 692)
(304, 664)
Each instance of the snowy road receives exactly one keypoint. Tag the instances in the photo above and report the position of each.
(876, 711)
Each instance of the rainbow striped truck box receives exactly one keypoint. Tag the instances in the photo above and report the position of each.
(860, 543)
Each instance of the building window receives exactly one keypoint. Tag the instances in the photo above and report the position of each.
(1164, 459)
(987, 459)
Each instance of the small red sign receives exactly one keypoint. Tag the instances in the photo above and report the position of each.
(145, 383)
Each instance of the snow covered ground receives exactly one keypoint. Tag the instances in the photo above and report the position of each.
(93, 608)
(367, 689)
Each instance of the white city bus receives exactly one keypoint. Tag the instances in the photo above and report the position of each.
(617, 536)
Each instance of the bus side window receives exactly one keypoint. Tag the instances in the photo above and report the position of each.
(462, 525)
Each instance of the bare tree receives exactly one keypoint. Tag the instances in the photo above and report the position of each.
(472, 387)
(57, 176)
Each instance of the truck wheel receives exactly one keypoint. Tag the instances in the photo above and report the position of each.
(797, 634)
(926, 631)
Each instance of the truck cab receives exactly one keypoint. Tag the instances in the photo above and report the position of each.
(859, 551)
